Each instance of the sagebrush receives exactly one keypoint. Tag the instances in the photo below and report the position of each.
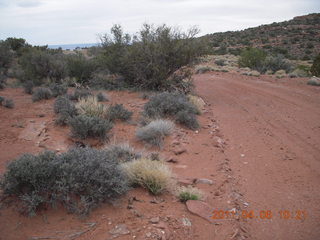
(80, 179)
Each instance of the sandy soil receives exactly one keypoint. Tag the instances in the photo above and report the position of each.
(257, 144)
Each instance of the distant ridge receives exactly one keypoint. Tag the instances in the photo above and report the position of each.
(73, 46)
(298, 38)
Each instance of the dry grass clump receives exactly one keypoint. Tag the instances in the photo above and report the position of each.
(154, 176)
(155, 131)
(89, 106)
(197, 102)
(188, 193)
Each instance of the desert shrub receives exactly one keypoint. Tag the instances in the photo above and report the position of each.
(253, 58)
(170, 105)
(118, 112)
(65, 110)
(83, 127)
(81, 67)
(188, 193)
(1, 99)
(8, 103)
(6, 57)
(276, 63)
(123, 152)
(315, 68)
(39, 64)
(41, 93)
(80, 93)
(220, 62)
(102, 97)
(28, 87)
(314, 81)
(155, 131)
(90, 107)
(58, 89)
(102, 80)
(187, 119)
(80, 179)
(154, 176)
(147, 59)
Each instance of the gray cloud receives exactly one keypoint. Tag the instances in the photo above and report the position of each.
(79, 21)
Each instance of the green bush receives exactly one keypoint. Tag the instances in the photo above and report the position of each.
(83, 127)
(147, 59)
(315, 68)
(80, 179)
(41, 93)
(118, 112)
(154, 132)
(6, 57)
(253, 58)
(173, 105)
(39, 64)
(188, 193)
(80, 67)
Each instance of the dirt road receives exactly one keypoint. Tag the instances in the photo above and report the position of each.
(272, 129)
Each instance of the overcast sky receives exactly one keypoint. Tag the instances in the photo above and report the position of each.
(43, 22)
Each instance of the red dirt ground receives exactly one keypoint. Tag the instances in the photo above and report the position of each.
(257, 143)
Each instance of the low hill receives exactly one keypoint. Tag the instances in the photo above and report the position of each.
(298, 38)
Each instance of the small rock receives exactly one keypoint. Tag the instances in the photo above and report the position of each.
(155, 220)
(186, 222)
(148, 234)
(120, 229)
(203, 181)
(242, 155)
(200, 208)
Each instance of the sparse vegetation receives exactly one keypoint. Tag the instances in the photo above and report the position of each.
(80, 179)
(118, 112)
(84, 127)
(155, 131)
(41, 93)
(188, 193)
(154, 176)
